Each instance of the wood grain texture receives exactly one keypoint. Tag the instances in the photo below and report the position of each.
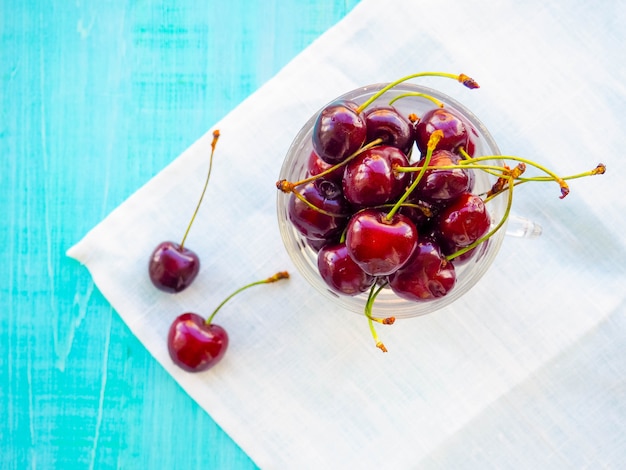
(96, 98)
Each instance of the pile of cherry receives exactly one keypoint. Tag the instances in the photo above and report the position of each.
(348, 213)
(389, 201)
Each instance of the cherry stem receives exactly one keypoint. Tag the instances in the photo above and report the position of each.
(462, 78)
(374, 291)
(434, 139)
(216, 136)
(276, 277)
(288, 187)
(600, 169)
(420, 95)
(314, 207)
(563, 185)
(495, 170)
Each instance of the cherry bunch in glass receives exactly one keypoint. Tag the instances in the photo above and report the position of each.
(389, 199)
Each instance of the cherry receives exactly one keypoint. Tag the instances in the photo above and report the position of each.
(464, 221)
(370, 179)
(378, 244)
(319, 211)
(455, 131)
(172, 266)
(339, 131)
(317, 166)
(340, 271)
(443, 184)
(427, 275)
(387, 123)
(195, 344)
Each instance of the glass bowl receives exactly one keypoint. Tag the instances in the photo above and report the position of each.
(387, 303)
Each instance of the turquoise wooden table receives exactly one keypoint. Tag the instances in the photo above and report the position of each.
(97, 97)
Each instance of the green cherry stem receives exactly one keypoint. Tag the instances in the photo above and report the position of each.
(216, 136)
(562, 184)
(288, 186)
(489, 234)
(434, 139)
(369, 305)
(600, 169)
(495, 170)
(314, 207)
(419, 95)
(276, 277)
(462, 78)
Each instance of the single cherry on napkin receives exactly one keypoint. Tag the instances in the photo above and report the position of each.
(196, 344)
(172, 266)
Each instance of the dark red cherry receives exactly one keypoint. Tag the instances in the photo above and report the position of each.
(316, 166)
(370, 179)
(388, 124)
(312, 223)
(195, 345)
(454, 129)
(464, 221)
(426, 276)
(378, 245)
(172, 268)
(340, 272)
(443, 184)
(339, 131)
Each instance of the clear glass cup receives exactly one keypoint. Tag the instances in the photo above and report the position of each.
(468, 274)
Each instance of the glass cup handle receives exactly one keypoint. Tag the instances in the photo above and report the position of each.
(521, 227)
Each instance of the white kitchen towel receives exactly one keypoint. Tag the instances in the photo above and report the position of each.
(528, 370)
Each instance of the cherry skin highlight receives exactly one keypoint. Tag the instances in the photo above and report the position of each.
(173, 268)
(194, 345)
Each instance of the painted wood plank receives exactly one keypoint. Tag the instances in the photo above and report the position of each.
(97, 97)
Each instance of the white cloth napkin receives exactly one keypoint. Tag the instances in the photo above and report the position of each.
(526, 371)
